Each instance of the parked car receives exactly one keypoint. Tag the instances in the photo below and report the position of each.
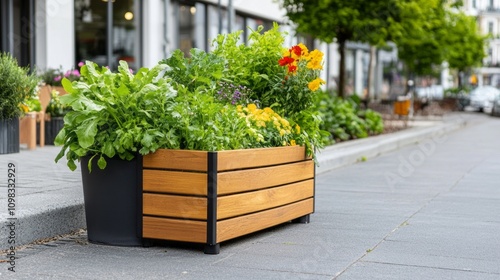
(482, 97)
(495, 110)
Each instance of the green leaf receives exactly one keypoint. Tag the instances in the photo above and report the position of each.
(108, 149)
(71, 165)
(101, 162)
(86, 132)
(67, 85)
(60, 138)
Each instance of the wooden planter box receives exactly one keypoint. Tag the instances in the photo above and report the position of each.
(211, 197)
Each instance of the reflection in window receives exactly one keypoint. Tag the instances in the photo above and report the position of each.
(125, 37)
(91, 32)
(239, 24)
(213, 23)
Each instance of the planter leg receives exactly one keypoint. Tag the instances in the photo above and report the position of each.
(212, 249)
(302, 220)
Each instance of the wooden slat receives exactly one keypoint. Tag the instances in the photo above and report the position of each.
(231, 228)
(176, 160)
(173, 229)
(175, 206)
(259, 178)
(165, 181)
(249, 158)
(249, 202)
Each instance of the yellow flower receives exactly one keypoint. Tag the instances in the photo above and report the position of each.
(25, 108)
(276, 123)
(315, 84)
(292, 142)
(286, 52)
(252, 107)
(297, 129)
(315, 60)
(239, 108)
(305, 51)
(268, 110)
(284, 122)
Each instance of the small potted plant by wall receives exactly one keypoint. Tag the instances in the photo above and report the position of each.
(54, 121)
(15, 87)
(198, 137)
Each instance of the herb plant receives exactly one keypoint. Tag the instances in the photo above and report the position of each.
(116, 114)
(16, 86)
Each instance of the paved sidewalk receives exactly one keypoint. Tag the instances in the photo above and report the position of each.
(423, 211)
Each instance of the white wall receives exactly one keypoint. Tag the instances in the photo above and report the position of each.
(153, 32)
(55, 29)
(267, 9)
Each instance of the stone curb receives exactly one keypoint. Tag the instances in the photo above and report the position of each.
(347, 153)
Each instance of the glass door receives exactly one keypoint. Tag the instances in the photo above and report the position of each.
(106, 32)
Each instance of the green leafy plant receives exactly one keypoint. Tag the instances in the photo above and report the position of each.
(200, 70)
(284, 79)
(16, 86)
(51, 76)
(116, 114)
(344, 120)
(254, 65)
(55, 108)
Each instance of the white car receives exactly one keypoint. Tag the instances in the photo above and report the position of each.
(495, 111)
(482, 97)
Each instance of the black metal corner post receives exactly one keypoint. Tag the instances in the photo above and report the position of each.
(212, 247)
(314, 189)
(139, 210)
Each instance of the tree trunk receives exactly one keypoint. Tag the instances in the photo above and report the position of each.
(341, 86)
(460, 75)
(371, 74)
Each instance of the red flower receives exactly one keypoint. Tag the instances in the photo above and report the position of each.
(292, 68)
(285, 61)
(296, 49)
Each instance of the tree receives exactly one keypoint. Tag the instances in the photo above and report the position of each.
(464, 45)
(434, 32)
(367, 21)
(419, 38)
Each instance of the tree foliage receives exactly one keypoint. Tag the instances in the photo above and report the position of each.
(426, 32)
(464, 45)
(371, 22)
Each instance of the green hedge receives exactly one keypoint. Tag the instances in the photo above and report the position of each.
(345, 120)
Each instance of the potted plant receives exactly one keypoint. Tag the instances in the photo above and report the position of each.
(31, 124)
(52, 79)
(16, 86)
(201, 139)
(54, 121)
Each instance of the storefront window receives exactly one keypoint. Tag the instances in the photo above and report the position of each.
(187, 28)
(91, 32)
(213, 23)
(239, 24)
(16, 29)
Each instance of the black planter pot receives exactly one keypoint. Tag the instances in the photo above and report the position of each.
(113, 201)
(52, 128)
(9, 136)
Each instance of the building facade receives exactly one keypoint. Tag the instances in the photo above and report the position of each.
(61, 33)
(487, 13)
